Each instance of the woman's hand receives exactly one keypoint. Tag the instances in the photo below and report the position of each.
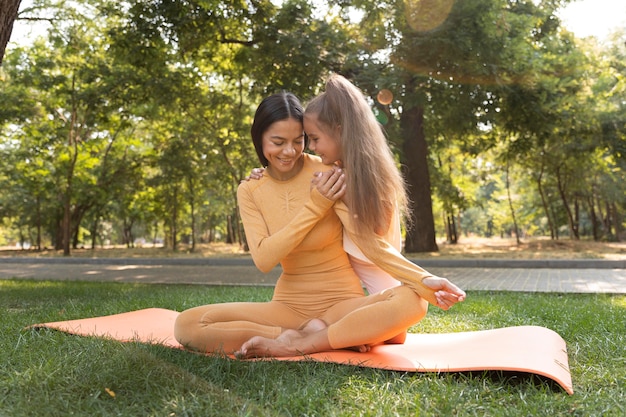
(446, 293)
(331, 184)
(255, 174)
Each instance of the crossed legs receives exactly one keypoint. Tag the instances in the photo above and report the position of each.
(357, 322)
(225, 327)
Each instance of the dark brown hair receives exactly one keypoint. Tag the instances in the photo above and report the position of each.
(277, 107)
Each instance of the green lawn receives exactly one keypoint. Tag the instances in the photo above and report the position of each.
(48, 373)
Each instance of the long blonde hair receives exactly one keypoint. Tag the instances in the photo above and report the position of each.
(368, 162)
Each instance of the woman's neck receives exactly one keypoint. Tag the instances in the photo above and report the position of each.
(285, 176)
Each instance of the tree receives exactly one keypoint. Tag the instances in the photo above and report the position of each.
(8, 14)
(77, 120)
(450, 61)
(132, 115)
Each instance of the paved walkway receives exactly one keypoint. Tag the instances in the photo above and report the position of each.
(575, 276)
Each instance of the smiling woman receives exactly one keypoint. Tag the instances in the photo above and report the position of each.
(283, 144)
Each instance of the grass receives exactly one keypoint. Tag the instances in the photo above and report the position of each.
(50, 373)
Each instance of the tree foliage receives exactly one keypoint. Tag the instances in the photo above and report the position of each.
(130, 119)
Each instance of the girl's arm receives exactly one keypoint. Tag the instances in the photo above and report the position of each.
(439, 291)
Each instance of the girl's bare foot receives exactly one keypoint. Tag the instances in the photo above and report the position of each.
(313, 325)
(360, 348)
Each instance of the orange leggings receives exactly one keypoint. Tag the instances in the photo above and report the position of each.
(352, 321)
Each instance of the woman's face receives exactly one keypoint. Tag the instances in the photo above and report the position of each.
(325, 145)
(283, 145)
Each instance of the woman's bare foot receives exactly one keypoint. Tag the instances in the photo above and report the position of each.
(311, 338)
(289, 343)
(286, 344)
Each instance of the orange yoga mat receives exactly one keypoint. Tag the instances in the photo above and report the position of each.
(530, 349)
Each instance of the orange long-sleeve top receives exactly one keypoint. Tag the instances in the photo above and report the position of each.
(289, 223)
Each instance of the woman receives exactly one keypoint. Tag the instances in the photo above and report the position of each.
(318, 303)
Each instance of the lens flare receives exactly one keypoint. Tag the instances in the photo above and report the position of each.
(425, 15)
(384, 97)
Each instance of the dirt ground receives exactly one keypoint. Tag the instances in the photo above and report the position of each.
(535, 248)
(493, 248)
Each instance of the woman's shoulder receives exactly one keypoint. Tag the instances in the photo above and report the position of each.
(315, 163)
(250, 186)
(312, 159)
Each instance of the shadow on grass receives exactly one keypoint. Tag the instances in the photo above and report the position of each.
(511, 378)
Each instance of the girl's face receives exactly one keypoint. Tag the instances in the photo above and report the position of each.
(283, 145)
(324, 144)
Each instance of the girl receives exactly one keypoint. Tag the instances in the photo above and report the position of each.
(343, 131)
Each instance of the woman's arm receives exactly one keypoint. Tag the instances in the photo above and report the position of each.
(269, 250)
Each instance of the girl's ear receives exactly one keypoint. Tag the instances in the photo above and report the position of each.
(338, 131)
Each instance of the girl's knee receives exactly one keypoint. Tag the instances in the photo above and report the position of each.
(414, 302)
(412, 306)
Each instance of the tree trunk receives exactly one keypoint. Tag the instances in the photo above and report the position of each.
(577, 216)
(230, 230)
(595, 230)
(420, 237)
(602, 218)
(8, 14)
(617, 221)
(94, 232)
(193, 226)
(174, 226)
(452, 235)
(192, 205)
(72, 145)
(38, 222)
(508, 194)
(568, 210)
(556, 225)
(544, 203)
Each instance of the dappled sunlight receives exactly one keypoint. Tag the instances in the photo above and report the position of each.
(202, 250)
(530, 248)
(467, 247)
(618, 301)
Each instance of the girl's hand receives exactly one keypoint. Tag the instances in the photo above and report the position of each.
(446, 293)
(255, 174)
(331, 184)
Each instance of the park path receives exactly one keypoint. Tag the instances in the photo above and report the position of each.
(564, 276)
